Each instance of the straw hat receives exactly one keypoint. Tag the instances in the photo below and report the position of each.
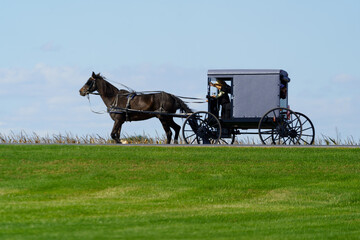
(219, 82)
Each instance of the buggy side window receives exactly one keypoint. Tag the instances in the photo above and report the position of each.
(219, 90)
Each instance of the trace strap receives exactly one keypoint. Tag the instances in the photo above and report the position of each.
(132, 91)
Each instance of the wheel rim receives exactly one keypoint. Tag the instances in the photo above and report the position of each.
(280, 126)
(201, 128)
(308, 130)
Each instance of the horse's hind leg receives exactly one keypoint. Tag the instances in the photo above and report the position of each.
(176, 128)
(115, 133)
(166, 125)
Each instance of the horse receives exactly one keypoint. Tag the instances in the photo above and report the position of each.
(152, 102)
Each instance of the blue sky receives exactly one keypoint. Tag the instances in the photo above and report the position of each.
(49, 49)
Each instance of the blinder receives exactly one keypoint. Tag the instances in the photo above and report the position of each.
(91, 85)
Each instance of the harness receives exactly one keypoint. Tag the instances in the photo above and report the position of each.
(114, 108)
(129, 97)
(161, 109)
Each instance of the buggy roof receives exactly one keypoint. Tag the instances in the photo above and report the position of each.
(222, 72)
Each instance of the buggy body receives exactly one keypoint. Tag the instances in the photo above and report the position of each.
(243, 99)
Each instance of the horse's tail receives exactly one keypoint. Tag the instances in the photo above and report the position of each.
(182, 105)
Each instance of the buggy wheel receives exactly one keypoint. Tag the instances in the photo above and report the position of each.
(280, 126)
(201, 128)
(308, 130)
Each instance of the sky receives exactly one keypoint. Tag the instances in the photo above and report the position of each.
(50, 48)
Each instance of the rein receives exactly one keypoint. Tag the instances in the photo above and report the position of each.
(128, 88)
(97, 112)
(132, 93)
(135, 93)
(197, 100)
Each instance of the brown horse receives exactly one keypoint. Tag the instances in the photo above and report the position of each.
(154, 102)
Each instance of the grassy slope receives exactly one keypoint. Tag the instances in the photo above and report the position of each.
(99, 192)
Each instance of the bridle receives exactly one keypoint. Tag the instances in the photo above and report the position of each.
(91, 86)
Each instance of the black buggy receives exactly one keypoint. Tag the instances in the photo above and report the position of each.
(243, 100)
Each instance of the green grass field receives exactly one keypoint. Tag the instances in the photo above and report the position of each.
(135, 192)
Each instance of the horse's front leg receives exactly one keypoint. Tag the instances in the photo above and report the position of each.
(115, 133)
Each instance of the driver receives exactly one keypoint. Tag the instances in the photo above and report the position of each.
(222, 96)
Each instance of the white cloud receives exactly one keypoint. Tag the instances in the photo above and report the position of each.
(13, 75)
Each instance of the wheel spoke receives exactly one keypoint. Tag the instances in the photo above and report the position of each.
(305, 122)
(298, 124)
(307, 128)
(291, 140)
(306, 135)
(267, 138)
(297, 128)
(304, 141)
(191, 135)
(274, 113)
(291, 122)
(277, 137)
(224, 141)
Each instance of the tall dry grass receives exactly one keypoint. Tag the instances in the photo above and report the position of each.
(68, 138)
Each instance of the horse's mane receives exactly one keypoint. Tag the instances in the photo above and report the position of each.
(109, 89)
(124, 92)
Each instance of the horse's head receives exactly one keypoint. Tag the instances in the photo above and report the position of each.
(90, 85)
